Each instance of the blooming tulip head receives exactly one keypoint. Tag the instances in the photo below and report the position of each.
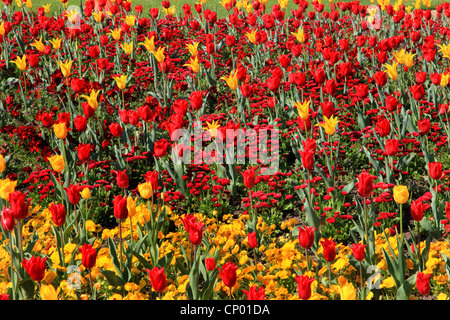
(35, 267)
(158, 279)
(304, 286)
(401, 194)
(228, 274)
(57, 162)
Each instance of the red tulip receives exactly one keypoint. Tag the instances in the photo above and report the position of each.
(306, 236)
(116, 129)
(329, 249)
(73, 193)
(365, 184)
(255, 294)
(383, 127)
(307, 159)
(417, 209)
(88, 111)
(195, 232)
(252, 241)
(330, 86)
(228, 274)
(327, 108)
(358, 251)
(210, 264)
(35, 267)
(122, 179)
(249, 178)
(391, 147)
(84, 151)
(160, 148)
(157, 278)
(196, 99)
(319, 76)
(18, 205)
(88, 256)
(7, 219)
(120, 207)
(435, 170)
(304, 286)
(424, 126)
(423, 283)
(58, 212)
(417, 91)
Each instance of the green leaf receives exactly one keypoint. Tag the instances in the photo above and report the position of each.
(404, 292)
(113, 279)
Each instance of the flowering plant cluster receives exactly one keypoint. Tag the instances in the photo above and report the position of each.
(267, 154)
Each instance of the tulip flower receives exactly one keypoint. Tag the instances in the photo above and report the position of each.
(159, 54)
(58, 212)
(120, 81)
(210, 264)
(60, 130)
(65, 67)
(48, 292)
(38, 45)
(21, 63)
(88, 256)
(6, 187)
(7, 219)
(127, 47)
(57, 162)
(303, 109)
(251, 36)
(435, 170)
(329, 125)
(228, 275)
(2, 163)
(212, 128)
(423, 283)
(116, 33)
(299, 35)
(249, 177)
(56, 43)
(157, 278)
(445, 50)
(392, 70)
(145, 190)
(401, 195)
(35, 267)
(193, 64)
(85, 193)
(231, 80)
(149, 44)
(254, 293)
(193, 49)
(304, 286)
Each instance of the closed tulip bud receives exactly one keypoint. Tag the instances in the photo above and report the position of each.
(7, 219)
(2, 163)
(435, 170)
(424, 126)
(116, 129)
(417, 209)
(158, 279)
(88, 256)
(365, 184)
(228, 274)
(210, 264)
(145, 190)
(401, 194)
(423, 283)
(383, 127)
(35, 267)
(84, 151)
(252, 241)
(19, 205)
(358, 251)
(58, 212)
(80, 123)
(304, 286)
(60, 130)
(306, 236)
(131, 206)
(329, 249)
(249, 178)
(196, 232)
(85, 193)
(120, 207)
(307, 156)
(391, 147)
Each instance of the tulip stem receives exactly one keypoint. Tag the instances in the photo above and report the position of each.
(401, 220)
(366, 240)
(62, 247)
(418, 245)
(19, 235)
(120, 239)
(90, 278)
(12, 267)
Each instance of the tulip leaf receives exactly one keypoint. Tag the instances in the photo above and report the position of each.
(27, 288)
(114, 257)
(113, 279)
(404, 292)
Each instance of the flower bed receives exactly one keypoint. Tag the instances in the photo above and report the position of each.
(264, 155)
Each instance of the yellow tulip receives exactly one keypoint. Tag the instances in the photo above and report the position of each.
(71, 16)
(65, 67)
(329, 125)
(283, 4)
(445, 50)
(392, 70)
(444, 79)
(409, 59)
(21, 63)
(251, 36)
(131, 206)
(128, 48)
(346, 289)
(48, 292)
(193, 49)
(116, 33)
(145, 190)
(28, 4)
(401, 194)
(212, 128)
(38, 45)
(169, 11)
(2, 163)
(400, 56)
(303, 109)
(60, 130)
(56, 43)
(46, 8)
(92, 99)
(97, 16)
(120, 81)
(231, 80)
(19, 3)
(300, 36)
(6, 187)
(2, 28)
(193, 63)
(57, 162)
(130, 20)
(159, 54)
(149, 44)
(85, 193)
